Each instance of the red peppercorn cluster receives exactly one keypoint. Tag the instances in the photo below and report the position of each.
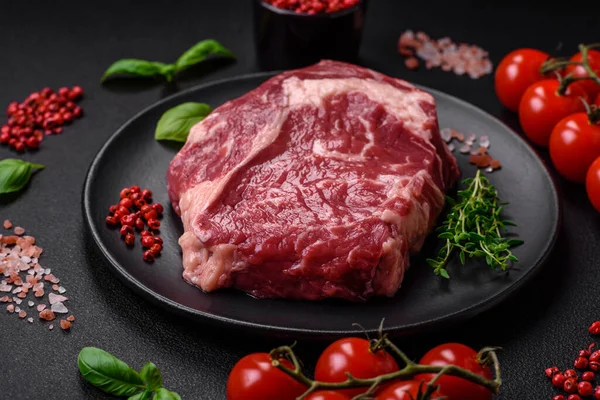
(578, 386)
(41, 113)
(134, 213)
(313, 6)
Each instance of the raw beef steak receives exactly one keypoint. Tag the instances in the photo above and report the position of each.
(319, 183)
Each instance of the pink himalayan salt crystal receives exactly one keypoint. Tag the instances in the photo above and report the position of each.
(51, 278)
(10, 308)
(56, 298)
(7, 224)
(19, 231)
(41, 307)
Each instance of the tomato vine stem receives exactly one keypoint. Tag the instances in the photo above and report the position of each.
(554, 65)
(486, 356)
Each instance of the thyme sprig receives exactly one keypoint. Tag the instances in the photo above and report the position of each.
(474, 226)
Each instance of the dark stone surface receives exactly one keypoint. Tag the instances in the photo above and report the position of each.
(67, 43)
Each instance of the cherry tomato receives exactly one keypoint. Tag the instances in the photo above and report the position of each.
(353, 355)
(542, 108)
(452, 387)
(327, 395)
(574, 145)
(591, 87)
(597, 102)
(405, 390)
(254, 378)
(592, 184)
(515, 73)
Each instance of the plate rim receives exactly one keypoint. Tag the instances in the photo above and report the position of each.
(168, 304)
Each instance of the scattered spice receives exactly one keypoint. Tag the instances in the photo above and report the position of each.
(41, 113)
(479, 156)
(570, 381)
(460, 58)
(24, 277)
(411, 63)
(134, 212)
(313, 6)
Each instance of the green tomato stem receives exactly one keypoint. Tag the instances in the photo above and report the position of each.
(486, 356)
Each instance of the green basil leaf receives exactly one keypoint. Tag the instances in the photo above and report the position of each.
(145, 395)
(151, 375)
(143, 68)
(108, 373)
(15, 173)
(199, 52)
(164, 394)
(175, 124)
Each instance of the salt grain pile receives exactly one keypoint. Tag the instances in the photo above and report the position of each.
(25, 282)
(460, 58)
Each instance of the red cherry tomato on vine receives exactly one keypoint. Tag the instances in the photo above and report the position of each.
(327, 395)
(592, 88)
(405, 390)
(541, 108)
(574, 145)
(452, 387)
(254, 378)
(353, 355)
(592, 184)
(515, 73)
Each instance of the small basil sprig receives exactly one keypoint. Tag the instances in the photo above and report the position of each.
(142, 68)
(175, 124)
(15, 173)
(113, 376)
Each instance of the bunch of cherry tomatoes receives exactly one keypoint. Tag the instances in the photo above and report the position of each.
(254, 377)
(557, 109)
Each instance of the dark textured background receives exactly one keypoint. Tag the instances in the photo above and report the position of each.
(66, 43)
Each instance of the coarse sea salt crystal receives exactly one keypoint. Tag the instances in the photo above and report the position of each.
(17, 290)
(446, 134)
(30, 303)
(56, 298)
(59, 308)
(47, 271)
(5, 288)
(61, 289)
(17, 309)
(26, 259)
(41, 307)
(30, 272)
(465, 148)
(51, 327)
(489, 169)
(30, 320)
(451, 147)
(484, 141)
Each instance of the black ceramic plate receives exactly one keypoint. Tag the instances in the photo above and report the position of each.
(133, 157)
